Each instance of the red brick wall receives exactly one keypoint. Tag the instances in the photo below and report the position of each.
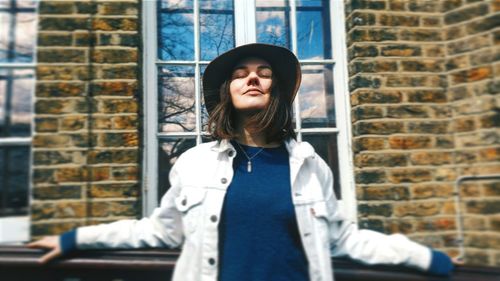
(86, 141)
(425, 111)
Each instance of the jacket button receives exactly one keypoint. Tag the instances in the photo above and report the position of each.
(211, 261)
(184, 202)
(230, 153)
(223, 180)
(213, 218)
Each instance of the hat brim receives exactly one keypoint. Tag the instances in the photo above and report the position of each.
(284, 63)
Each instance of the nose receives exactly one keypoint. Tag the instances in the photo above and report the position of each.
(253, 79)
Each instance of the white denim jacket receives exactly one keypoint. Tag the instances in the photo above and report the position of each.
(189, 213)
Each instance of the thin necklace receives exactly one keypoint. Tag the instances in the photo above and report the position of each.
(249, 163)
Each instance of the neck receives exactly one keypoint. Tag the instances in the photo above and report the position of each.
(249, 137)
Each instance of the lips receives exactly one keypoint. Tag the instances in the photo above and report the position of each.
(253, 90)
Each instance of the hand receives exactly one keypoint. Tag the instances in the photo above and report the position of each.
(458, 260)
(47, 242)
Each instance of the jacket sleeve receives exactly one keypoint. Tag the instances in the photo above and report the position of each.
(367, 246)
(162, 229)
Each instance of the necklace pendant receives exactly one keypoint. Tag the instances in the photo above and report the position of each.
(249, 166)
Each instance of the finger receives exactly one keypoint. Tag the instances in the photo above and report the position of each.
(49, 256)
(458, 261)
(35, 244)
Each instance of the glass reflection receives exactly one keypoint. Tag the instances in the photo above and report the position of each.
(176, 112)
(216, 28)
(313, 30)
(168, 152)
(273, 22)
(14, 180)
(175, 30)
(16, 91)
(17, 36)
(204, 112)
(326, 147)
(317, 103)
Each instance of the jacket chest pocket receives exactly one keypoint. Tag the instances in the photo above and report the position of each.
(321, 219)
(190, 204)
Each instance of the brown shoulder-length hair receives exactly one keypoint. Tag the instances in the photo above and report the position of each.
(275, 121)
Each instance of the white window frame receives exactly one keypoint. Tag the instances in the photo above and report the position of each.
(245, 32)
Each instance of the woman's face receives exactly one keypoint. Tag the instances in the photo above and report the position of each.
(250, 86)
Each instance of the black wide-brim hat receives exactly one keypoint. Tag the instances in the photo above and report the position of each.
(284, 64)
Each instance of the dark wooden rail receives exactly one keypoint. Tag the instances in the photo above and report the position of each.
(20, 264)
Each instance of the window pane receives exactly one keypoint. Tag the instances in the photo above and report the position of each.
(168, 152)
(26, 3)
(216, 28)
(17, 46)
(16, 90)
(313, 30)
(317, 104)
(175, 30)
(273, 22)
(14, 180)
(326, 147)
(204, 112)
(176, 112)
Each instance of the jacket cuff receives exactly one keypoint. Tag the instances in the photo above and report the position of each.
(68, 242)
(441, 264)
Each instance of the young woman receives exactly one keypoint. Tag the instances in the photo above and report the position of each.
(255, 204)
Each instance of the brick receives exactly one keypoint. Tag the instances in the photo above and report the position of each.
(474, 224)
(380, 160)
(63, 24)
(364, 81)
(466, 13)
(57, 192)
(368, 4)
(469, 189)
(399, 226)
(457, 62)
(59, 210)
(46, 124)
(116, 72)
(400, 50)
(409, 175)
(421, 65)
(369, 143)
(449, 5)
(55, 8)
(489, 154)
(114, 55)
(479, 258)
(117, 39)
(372, 66)
(60, 106)
(431, 190)
(384, 210)
(59, 89)
(384, 193)
(484, 57)
(409, 142)
(424, 6)
(85, 7)
(378, 127)
(54, 157)
(51, 141)
(113, 156)
(468, 44)
(408, 111)
(444, 141)
(398, 20)
(434, 50)
(454, 32)
(420, 35)
(366, 112)
(117, 8)
(373, 224)
(490, 120)
(362, 51)
(416, 81)
(100, 173)
(112, 24)
(397, 5)
(43, 175)
(483, 24)
(483, 240)
(424, 96)
(42, 229)
(374, 96)
(431, 21)
(62, 72)
(418, 209)
(83, 139)
(464, 124)
(492, 189)
(483, 207)
(84, 39)
(118, 106)
(495, 223)
(471, 75)
(462, 157)
(71, 174)
(428, 127)
(370, 176)
(360, 19)
(431, 158)
(113, 88)
(57, 55)
(128, 122)
(114, 190)
(49, 39)
(101, 123)
(73, 123)
(114, 208)
(118, 139)
(440, 224)
(125, 173)
(459, 92)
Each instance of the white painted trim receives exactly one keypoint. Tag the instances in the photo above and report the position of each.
(244, 22)
(16, 141)
(150, 78)
(343, 110)
(14, 230)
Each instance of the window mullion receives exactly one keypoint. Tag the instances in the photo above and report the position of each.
(197, 91)
(244, 23)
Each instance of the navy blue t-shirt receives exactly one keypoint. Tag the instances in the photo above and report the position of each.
(258, 232)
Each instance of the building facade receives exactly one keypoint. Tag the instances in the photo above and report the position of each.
(399, 97)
